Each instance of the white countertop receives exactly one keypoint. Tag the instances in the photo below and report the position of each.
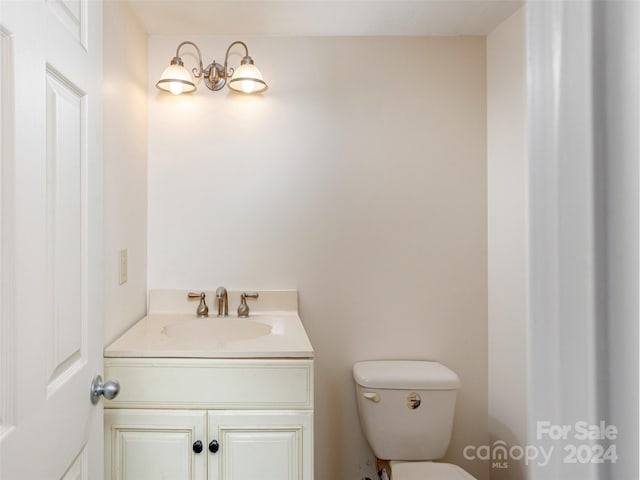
(266, 333)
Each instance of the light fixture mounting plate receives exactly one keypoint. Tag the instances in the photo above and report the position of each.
(214, 76)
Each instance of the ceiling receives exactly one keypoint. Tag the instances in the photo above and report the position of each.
(323, 18)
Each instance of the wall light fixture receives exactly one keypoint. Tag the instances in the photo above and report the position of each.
(246, 78)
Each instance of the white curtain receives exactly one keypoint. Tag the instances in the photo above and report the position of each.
(584, 63)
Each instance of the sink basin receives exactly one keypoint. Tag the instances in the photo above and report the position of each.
(218, 329)
(171, 330)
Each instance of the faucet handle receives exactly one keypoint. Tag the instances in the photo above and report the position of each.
(243, 308)
(203, 310)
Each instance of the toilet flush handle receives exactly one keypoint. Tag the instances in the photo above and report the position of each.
(374, 397)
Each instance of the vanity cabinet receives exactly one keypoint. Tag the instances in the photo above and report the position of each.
(259, 411)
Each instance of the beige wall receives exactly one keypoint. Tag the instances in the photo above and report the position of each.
(358, 178)
(125, 167)
(507, 180)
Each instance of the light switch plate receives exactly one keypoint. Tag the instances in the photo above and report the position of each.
(124, 265)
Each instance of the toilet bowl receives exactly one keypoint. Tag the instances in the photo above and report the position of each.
(427, 471)
(406, 411)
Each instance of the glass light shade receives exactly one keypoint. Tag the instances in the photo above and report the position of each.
(247, 79)
(176, 79)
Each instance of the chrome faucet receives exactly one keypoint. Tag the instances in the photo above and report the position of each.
(223, 303)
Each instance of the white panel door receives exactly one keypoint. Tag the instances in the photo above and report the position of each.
(51, 235)
(261, 445)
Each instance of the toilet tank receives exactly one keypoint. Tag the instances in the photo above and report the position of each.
(406, 408)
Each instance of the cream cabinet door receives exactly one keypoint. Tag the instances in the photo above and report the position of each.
(155, 444)
(261, 445)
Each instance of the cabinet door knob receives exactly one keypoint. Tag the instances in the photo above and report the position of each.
(214, 446)
(197, 446)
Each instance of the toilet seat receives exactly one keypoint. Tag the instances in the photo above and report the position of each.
(428, 471)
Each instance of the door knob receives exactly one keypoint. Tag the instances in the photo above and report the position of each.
(109, 389)
(197, 446)
(214, 446)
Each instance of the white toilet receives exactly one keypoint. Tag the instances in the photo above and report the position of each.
(406, 412)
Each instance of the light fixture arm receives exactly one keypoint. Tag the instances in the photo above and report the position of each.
(229, 71)
(197, 71)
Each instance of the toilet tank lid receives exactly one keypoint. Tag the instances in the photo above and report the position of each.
(405, 375)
